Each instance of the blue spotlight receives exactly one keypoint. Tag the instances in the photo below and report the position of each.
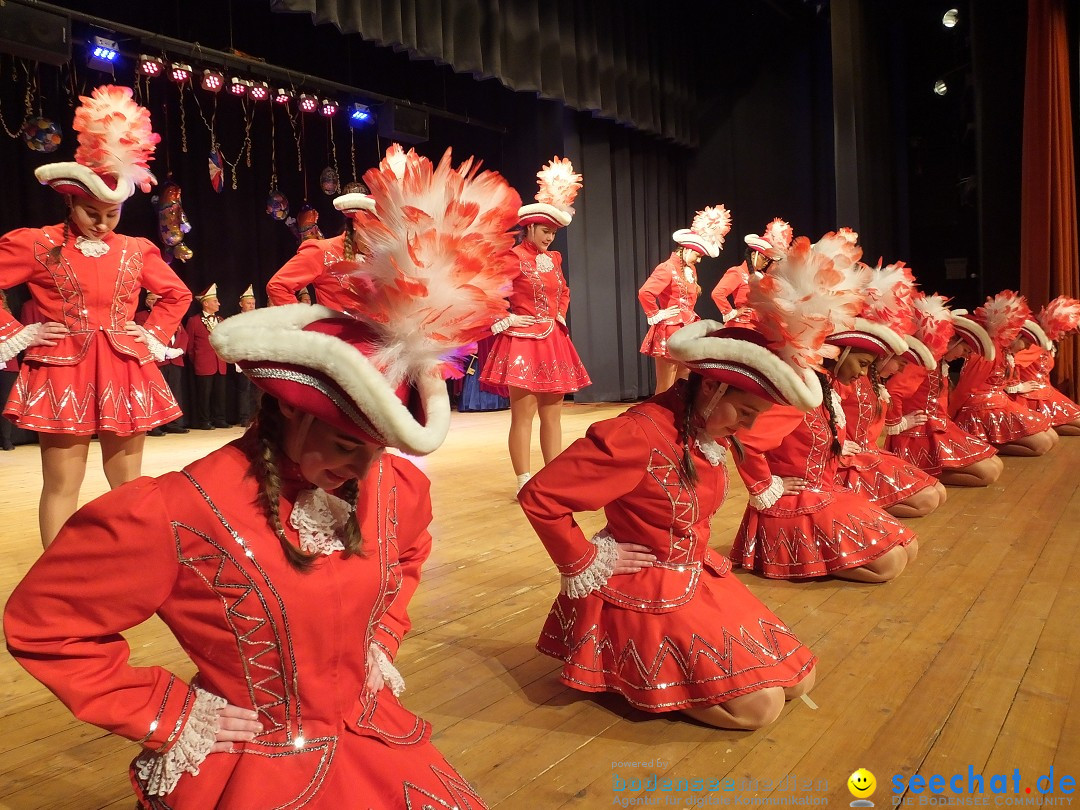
(359, 114)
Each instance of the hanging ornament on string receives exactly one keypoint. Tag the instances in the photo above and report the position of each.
(216, 167)
(172, 222)
(40, 134)
(245, 147)
(277, 204)
(330, 179)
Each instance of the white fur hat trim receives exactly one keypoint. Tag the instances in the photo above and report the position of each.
(917, 348)
(51, 173)
(688, 238)
(556, 215)
(981, 335)
(888, 338)
(349, 204)
(1037, 332)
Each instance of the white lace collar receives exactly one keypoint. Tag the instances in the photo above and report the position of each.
(91, 248)
(320, 519)
(714, 452)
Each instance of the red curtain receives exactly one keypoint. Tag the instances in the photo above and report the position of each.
(1050, 258)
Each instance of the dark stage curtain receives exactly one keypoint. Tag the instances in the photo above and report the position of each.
(623, 59)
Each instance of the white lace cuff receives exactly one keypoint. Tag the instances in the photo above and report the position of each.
(1014, 389)
(19, 341)
(561, 319)
(391, 677)
(160, 772)
(156, 347)
(500, 326)
(655, 319)
(599, 571)
(768, 496)
(728, 316)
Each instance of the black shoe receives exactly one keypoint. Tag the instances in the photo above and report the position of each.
(173, 428)
(203, 426)
(222, 424)
(155, 432)
(7, 446)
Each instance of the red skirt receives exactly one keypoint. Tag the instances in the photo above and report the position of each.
(882, 478)
(655, 343)
(1000, 420)
(722, 644)
(104, 392)
(1055, 406)
(932, 452)
(540, 365)
(814, 534)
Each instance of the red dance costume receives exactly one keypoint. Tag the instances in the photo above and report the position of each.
(980, 405)
(672, 284)
(878, 475)
(939, 444)
(179, 340)
(319, 262)
(1033, 365)
(539, 358)
(195, 548)
(823, 529)
(683, 633)
(98, 378)
(736, 283)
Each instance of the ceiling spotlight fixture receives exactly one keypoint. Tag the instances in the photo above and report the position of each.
(950, 18)
(259, 91)
(213, 80)
(282, 96)
(150, 65)
(359, 114)
(328, 108)
(308, 103)
(940, 88)
(237, 86)
(102, 53)
(179, 72)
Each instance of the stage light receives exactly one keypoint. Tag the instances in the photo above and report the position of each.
(179, 72)
(359, 114)
(282, 96)
(102, 53)
(328, 108)
(150, 65)
(940, 88)
(308, 103)
(950, 18)
(238, 87)
(259, 91)
(213, 80)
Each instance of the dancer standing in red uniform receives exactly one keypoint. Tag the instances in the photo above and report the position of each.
(532, 354)
(646, 609)
(669, 294)
(800, 522)
(980, 404)
(89, 368)
(918, 428)
(900, 488)
(285, 561)
(1034, 352)
(761, 252)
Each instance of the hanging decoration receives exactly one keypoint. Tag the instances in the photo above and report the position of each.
(172, 222)
(277, 204)
(41, 134)
(217, 169)
(329, 180)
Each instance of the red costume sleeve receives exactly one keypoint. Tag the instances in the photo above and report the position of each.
(1025, 357)
(564, 297)
(111, 567)
(727, 285)
(651, 289)
(973, 377)
(159, 278)
(608, 462)
(299, 271)
(768, 432)
(901, 387)
(414, 546)
(16, 265)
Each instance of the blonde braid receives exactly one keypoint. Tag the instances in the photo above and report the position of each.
(693, 385)
(826, 395)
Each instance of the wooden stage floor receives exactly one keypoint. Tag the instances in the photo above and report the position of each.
(968, 661)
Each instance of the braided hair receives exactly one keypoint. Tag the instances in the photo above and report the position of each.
(55, 251)
(350, 225)
(826, 396)
(879, 388)
(693, 386)
(269, 427)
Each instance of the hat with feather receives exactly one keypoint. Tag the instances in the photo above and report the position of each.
(774, 242)
(706, 233)
(116, 142)
(559, 186)
(434, 284)
(1059, 317)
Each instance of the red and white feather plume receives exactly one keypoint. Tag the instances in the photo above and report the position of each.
(889, 298)
(559, 184)
(712, 224)
(841, 247)
(804, 298)
(779, 234)
(438, 275)
(115, 136)
(1059, 317)
(933, 323)
(1003, 317)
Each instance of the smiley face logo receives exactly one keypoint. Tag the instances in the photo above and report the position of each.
(862, 784)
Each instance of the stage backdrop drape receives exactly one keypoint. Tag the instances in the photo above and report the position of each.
(1050, 261)
(622, 59)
